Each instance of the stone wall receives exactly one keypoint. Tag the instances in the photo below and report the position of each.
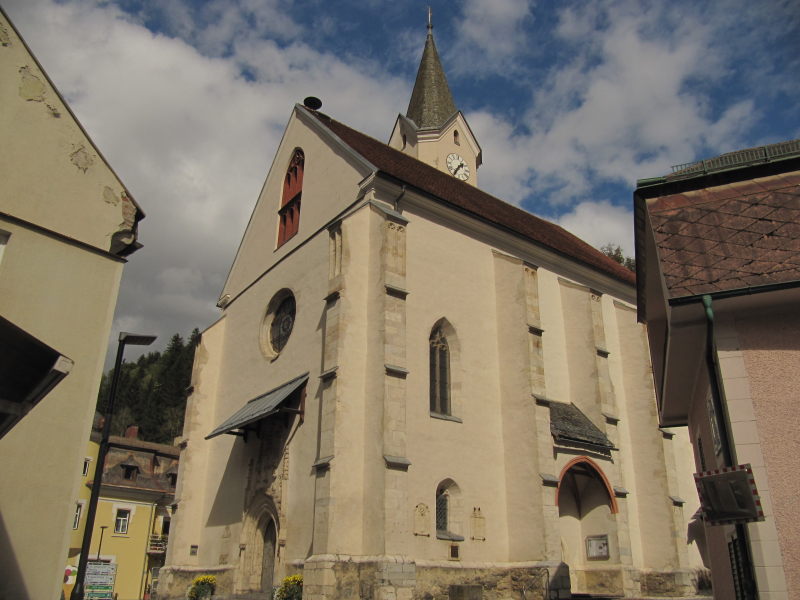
(174, 582)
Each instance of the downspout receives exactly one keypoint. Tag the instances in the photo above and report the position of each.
(146, 560)
(725, 434)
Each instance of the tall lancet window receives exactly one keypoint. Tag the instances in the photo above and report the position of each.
(289, 213)
(440, 372)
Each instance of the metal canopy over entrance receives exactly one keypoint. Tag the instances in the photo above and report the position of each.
(259, 408)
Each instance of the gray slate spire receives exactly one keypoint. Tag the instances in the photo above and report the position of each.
(431, 101)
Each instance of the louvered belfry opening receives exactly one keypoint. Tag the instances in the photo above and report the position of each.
(289, 213)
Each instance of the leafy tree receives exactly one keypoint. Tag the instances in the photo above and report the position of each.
(614, 251)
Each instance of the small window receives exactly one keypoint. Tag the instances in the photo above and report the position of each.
(86, 462)
(76, 520)
(130, 472)
(439, 372)
(455, 138)
(173, 479)
(405, 141)
(122, 520)
(289, 213)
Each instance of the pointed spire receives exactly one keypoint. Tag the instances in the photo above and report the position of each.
(431, 101)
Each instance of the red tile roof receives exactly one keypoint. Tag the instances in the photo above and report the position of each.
(469, 199)
(738, 235)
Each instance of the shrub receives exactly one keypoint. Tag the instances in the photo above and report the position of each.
(202, 587)
(291, 588)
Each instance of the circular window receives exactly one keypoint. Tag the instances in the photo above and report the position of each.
(282, 323)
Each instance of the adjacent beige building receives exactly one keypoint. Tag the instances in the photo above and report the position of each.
(416, 390)
(718, 255)
(66, 224)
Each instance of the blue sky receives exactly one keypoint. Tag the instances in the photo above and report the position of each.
(572, 102)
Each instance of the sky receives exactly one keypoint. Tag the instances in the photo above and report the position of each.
(572, 102)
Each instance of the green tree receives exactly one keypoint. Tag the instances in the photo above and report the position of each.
(614, 251)
(152, 391)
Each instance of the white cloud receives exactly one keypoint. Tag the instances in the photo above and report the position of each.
(600, 223)
(489, 34)
(621, 108)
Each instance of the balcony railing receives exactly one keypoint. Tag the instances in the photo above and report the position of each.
(157, 545)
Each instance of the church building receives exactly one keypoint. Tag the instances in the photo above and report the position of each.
(416, 390)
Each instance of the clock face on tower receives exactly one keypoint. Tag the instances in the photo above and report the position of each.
(457, 167)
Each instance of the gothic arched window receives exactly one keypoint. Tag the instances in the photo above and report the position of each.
(439, 372)
(289, 214)
(442, 505)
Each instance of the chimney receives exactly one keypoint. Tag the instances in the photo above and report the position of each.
(132, 432)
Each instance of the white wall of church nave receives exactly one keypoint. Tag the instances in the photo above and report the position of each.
(450, 275)
(330, 178)
(247, 370)
(462, 290)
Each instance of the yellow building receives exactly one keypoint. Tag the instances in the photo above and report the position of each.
(67, 224)
(133, 513)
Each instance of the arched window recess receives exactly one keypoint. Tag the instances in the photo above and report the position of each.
(447, 494)
(289, 213)
(440, 372)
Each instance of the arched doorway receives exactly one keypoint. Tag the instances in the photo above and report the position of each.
(587, 521)
(270, 538)
(258, 549)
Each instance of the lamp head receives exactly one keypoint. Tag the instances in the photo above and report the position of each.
(135, 339)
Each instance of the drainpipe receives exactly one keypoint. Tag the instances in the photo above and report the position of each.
(726, 437)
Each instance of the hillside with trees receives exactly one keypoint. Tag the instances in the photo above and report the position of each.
(152, 391)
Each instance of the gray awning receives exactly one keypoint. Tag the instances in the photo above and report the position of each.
(259, 408)
(568, 424)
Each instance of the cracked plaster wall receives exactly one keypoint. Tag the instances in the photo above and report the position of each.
(80, 197)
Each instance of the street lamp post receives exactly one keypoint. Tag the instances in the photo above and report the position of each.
(100, 543)
(125, 339)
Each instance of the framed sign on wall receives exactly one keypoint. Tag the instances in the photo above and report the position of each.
(597, 547)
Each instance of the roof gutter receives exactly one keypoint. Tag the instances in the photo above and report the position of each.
(746, 291)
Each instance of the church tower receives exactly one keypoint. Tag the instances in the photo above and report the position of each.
(433, 130)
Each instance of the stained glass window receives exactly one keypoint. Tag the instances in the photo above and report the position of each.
(282, 323)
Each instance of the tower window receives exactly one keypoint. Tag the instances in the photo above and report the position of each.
(439, 372)
(455, 137)
(289, 214)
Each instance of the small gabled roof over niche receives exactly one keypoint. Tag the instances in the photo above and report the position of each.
(569, 425)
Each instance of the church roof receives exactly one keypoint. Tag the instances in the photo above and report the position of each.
(471, 200)
(431, 102)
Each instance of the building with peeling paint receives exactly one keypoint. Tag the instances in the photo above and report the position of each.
(416, 390)
(66, 225)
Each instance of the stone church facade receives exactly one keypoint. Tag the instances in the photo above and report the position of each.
(416, 390)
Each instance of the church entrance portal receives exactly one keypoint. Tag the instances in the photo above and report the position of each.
(587, 522)
(268, 561)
